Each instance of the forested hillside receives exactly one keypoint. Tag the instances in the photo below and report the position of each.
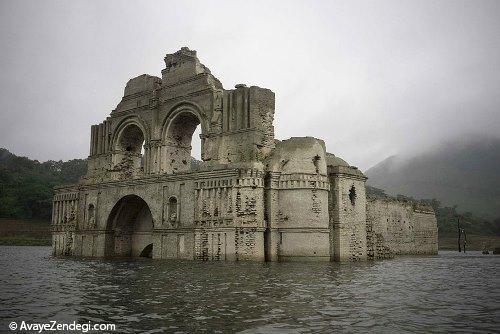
(26, 186)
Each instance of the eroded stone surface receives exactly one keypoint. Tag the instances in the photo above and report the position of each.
(251, 198)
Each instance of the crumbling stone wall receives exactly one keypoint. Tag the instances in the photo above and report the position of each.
(400, 227)
(64, 220)
(347, 208)
(229, 216)
(250, 198)
(237, 125)
(297, 201)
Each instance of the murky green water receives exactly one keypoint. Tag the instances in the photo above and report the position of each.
(447, 293)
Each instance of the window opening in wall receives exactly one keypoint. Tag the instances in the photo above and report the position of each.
(142, 155)
(196, 144)
(91, 214)
(91, 211)
(352, 195)
(316, 160)
(172, 209)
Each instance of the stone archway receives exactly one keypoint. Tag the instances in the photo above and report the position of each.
(130, 228)
(129, 158)
(128, 151)
(177, 140)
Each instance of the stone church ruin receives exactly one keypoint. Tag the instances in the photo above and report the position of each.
(252, 197)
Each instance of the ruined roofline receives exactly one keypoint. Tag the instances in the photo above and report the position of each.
(182, 69)
(417, 205)
(338, 166)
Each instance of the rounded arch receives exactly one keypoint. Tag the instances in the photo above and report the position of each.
(129, 227)
(178, 129)
(181, 108)
(126, 122)
(128, 147)
(147, 251)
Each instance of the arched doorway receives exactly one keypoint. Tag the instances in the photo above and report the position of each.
(129, 152)
(178, 139)
(130, 228)
(147, 251)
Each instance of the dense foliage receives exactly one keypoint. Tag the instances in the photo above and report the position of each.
(26, 186)
(447, 217)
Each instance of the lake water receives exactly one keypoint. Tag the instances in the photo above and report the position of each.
(447, 293)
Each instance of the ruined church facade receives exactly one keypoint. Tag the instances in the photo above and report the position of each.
(252, 197)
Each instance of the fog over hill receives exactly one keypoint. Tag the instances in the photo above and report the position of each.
(465, 173)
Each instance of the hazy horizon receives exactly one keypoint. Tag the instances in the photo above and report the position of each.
(372, 79)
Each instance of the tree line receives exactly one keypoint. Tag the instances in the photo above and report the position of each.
(27, 186)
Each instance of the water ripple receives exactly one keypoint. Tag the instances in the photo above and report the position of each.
(447, 293)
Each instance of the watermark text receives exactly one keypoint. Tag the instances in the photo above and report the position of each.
(56, 326)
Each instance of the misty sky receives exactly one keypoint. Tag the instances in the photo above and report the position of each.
(371, 78)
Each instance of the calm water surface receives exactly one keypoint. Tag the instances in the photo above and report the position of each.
(451, 292)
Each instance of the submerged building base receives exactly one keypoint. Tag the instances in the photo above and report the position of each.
(251, 198)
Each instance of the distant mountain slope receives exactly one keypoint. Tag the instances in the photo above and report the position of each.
(26, 186)
(466, 175)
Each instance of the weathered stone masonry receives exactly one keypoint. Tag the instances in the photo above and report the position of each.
(251, 198)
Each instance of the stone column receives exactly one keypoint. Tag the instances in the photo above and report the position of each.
(53, 213)
(94, 131)
(58, 212)
(63, 209)
(108, 136)
(247, 105)
(230, 114)
(99, 139)
(92, 138)
(244, 97)
(105, 136)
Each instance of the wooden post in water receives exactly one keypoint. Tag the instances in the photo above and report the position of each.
(465, 238)
(459, 234)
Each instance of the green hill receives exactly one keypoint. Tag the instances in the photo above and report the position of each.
(26, 186)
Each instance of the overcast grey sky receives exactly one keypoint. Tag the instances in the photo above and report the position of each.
(371, 78)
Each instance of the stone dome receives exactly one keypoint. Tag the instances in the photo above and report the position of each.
(332, 160)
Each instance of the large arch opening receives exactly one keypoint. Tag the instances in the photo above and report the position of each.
(182, 137)
(129, 152)
(130, 228)
(147, 251)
